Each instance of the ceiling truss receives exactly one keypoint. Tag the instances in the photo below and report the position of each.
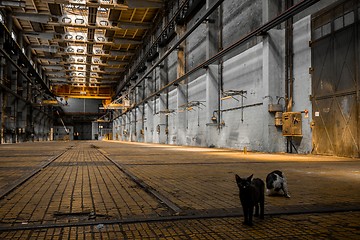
(84, 46)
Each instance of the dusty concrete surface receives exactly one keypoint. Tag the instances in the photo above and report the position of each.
(121, 190)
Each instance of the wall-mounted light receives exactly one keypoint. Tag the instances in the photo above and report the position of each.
(231, 93)
(228, 97)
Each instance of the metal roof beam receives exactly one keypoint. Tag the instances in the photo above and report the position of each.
(115, 6)
(14, 4)
(145, 4)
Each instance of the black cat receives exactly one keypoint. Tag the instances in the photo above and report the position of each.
(252, 195)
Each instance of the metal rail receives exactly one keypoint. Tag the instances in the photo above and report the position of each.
(145, 186)
(27, 177)
(216, 213)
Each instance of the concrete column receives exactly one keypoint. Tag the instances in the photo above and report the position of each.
(29, 128)
(40, 124)
(114, 129)
(212, 75)
(150, 130)
(33, 128)
(273, 88)
(156, 108)
(22, 107)
(2, 116)
(181, 116)
(163, 103)
(273, 77)
(139, 114)
(133, 120)
(2, 95)
(121, 128)
(21, 121)
(127, 123)
(12, 101)
(149, 111)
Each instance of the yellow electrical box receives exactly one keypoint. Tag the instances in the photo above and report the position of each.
(50, 102)
(292, 124)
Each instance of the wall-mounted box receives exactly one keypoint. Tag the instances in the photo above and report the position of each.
(292, 124)
(278, 119)
(272, 108)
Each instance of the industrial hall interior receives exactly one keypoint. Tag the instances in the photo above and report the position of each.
(133, 119)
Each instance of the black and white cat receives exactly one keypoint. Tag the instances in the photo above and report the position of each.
(251, 193)
(276, 184)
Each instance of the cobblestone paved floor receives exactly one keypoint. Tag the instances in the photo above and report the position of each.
(19, 160)
(303, 226)
(118, 190)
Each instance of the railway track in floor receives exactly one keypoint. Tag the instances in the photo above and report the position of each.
(81, 186)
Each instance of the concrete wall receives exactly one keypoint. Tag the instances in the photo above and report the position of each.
(61, 135)
(302, 80)
(257, 68)
(82, 105)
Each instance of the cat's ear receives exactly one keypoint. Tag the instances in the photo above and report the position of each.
(237, 178)
(250, 177)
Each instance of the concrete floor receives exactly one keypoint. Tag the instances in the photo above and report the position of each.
(121, 190)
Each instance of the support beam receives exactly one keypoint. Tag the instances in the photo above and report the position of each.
(213, 78)
(182, 95)
(145, 4)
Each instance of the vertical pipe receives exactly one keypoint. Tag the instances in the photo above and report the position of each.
(289, 68)
(143, 112)
(167, 116)
(220, 69)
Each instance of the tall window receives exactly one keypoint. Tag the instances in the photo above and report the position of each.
(13, 35)
(2, 18)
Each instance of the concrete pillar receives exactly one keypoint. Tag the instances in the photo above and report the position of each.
(149, 123)
(139, 114)
(181, 116)
(2, 116)
(22, 107)
(156, 108)
(122, 127)
(149, 111)
(128, 126)
(29, 119)
(163, 102)
(132, 122)
(212, 75)
(273, 76)
(2, 94)
(21, 121)
(273, 88)
(114, 129)
(12, 101)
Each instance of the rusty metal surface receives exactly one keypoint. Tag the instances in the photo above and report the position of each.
(335, 79)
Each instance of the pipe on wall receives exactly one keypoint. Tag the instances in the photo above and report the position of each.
(289, 59)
